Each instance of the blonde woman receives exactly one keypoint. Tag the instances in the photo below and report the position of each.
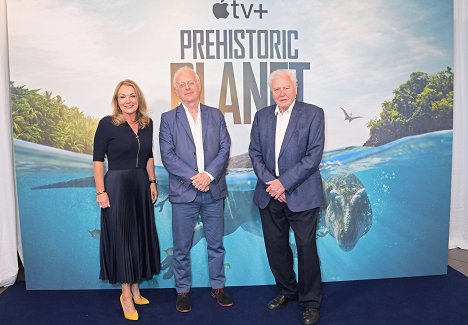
(129, 246)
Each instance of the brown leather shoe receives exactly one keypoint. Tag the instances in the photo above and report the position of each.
(279, 302)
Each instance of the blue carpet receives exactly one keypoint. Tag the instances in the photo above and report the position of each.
(418, 300)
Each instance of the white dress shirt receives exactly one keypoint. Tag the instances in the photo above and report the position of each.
(196, 128)
(282, 121)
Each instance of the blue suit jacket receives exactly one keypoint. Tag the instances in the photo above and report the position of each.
(178, 152)
(299, 158)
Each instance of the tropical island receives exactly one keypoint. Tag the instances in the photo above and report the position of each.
(420, 105)
(45, 119)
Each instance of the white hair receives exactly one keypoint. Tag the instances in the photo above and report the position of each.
(290, 73)
(184, 68)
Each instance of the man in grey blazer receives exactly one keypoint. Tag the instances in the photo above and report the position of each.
(286, 147)
(195, 144)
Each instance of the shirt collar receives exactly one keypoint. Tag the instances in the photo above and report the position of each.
(289, 110)
(186, 109)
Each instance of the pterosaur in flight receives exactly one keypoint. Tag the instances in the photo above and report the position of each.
(349, 117)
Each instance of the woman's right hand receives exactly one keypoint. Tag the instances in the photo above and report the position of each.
(103, 200)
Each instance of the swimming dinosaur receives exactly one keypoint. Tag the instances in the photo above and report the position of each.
(236, 212)
(346, 214)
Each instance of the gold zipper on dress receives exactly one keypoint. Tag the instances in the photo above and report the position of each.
(138, 152)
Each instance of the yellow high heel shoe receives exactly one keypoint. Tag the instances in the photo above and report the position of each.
(141, 301)
(129, 316)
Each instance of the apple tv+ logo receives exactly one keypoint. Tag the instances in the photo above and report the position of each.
(238, 10)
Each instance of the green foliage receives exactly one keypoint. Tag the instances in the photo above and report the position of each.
(44, 119)
(422, 104)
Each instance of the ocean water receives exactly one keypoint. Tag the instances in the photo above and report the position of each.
(407, 183)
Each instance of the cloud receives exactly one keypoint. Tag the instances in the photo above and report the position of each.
(69, 34)
(359, 51)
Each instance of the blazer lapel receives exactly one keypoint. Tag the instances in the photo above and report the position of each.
(293, 120)
(271, 125)
(182, 117)
(204, 122)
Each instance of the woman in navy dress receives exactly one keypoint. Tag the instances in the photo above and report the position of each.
(129, 246)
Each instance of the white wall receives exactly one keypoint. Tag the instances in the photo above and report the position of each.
(8, 211)
(459, 214)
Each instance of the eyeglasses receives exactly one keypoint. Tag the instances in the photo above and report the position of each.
(190, 84)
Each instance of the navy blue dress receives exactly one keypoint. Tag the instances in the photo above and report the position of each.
(129, 245)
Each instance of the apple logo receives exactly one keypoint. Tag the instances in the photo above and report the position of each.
(220, 10)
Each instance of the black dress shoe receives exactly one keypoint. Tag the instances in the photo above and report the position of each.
(279, 302)
(310, 316)
(183, 302)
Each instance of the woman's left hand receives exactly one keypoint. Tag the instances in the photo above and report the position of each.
(154, 192)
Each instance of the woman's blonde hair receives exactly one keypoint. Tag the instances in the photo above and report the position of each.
(142, 116)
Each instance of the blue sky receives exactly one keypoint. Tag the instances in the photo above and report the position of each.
(359, 51)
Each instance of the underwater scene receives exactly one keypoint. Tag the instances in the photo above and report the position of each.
(386, 215)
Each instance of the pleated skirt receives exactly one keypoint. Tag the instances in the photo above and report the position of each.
(129, 245)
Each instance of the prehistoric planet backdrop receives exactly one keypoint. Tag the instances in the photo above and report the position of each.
(384, 82)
